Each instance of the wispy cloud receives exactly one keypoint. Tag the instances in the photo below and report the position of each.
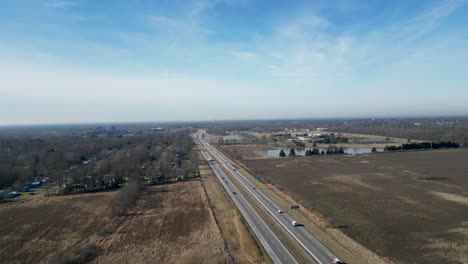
(432, 18)
(178, 30)
(198, 7)
(422, 24)
(61, 4)
(304, 49)
(244, 55)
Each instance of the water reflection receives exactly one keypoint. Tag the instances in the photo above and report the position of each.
(301, 151)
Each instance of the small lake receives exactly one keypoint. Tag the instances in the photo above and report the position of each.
(301, 151)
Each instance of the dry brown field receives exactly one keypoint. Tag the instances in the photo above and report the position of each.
(409, 207)
(171, 223)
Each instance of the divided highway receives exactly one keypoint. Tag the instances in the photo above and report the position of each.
(309, 243)
(273, 246)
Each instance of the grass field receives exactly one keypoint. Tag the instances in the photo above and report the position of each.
(169, 224)
(409, 207)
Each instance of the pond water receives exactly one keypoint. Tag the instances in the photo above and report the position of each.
(301, 151)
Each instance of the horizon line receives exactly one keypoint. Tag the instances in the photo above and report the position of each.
(237, 120)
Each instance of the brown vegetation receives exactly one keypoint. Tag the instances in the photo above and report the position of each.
(170, 223)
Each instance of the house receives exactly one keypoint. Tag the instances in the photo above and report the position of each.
(109, 182)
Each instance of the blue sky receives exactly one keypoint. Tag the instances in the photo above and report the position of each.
(65, 61)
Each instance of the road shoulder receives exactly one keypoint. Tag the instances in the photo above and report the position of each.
(239, 241)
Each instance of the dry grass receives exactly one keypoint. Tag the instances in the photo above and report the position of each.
(169, 224)
(453, 197)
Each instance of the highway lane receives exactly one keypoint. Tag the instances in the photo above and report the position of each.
(310, 244)
(275, 249)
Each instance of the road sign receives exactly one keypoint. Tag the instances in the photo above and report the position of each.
(257, 177)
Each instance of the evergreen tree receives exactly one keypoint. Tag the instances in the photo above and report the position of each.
(282, 154)
(322, 153)
(292, 152)
(374, 150)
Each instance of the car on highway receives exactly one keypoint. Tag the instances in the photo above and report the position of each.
(254, 188)
(234, 193)
(337, 261)
(294, 223)
(280, 211)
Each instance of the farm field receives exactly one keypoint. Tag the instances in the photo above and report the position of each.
(408, 207)
(169, 224)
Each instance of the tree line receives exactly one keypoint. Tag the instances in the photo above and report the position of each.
(423, 145)
(314, 151)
